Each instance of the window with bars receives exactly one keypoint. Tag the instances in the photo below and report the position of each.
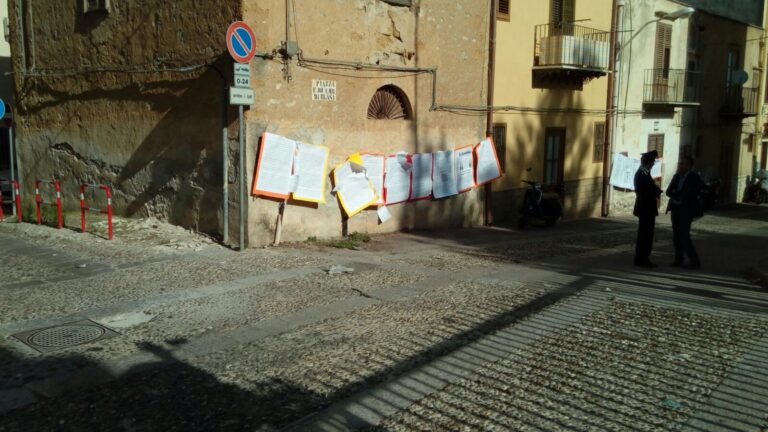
(656, 142)
(500, 141)
(599, 143)
(502, 13)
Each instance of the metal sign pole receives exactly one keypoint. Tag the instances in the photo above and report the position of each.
(13, 173)
(242, 180)
(225, 166)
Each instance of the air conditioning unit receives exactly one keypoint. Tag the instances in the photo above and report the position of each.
(561, 50)
(90, 6)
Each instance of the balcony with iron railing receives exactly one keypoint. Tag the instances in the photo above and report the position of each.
(671, 88)
(739, 102)
(565, 52)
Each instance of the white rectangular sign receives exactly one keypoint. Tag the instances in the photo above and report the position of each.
(241, 96)
(243, 81)
(242, 69)
(323, 90)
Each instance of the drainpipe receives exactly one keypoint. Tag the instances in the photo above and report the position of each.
(613, 104)
(488, 188)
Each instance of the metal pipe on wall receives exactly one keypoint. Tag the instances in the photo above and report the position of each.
(488, 188)
(613, 102)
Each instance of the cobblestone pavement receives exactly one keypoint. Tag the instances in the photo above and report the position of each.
(484, 329)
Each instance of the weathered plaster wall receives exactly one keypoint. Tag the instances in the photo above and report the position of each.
(451, 36)
(100, 100)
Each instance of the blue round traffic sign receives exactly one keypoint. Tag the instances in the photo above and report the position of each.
(2, 108)
(241, 42)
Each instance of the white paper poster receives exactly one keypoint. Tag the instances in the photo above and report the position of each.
(623, 172)
(311, 167)
(397, 181)
(465, 169)
(384, 214)
(353, 189)
(445, 174)
(374, 166)
(274, 170)
(488, 164)
(656, 170)
(421, 183)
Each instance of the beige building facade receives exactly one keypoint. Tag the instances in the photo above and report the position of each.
(658, 89)
(552, 60)
(136, 97)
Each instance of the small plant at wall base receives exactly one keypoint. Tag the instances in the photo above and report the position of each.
(353, 241)
(48, 215)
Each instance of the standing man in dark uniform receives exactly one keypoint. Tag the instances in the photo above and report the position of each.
(685, 206)
(647, 195)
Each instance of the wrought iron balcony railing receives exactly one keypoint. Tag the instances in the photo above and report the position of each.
(739, 101)
(675, 87)
(569, 46)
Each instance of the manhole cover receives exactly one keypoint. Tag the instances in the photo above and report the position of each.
(64, 336)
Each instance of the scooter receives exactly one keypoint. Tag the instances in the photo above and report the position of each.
(757, 191)
(710, 194)
(540, 205)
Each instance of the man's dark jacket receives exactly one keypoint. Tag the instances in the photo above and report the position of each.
(685, 201)
(647, 192)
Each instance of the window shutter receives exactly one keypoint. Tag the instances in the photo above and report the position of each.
(569, 11)
(503, 11)
(556, 11)
(599, 142)
(656, 142)
(663, 46)
(500, 140)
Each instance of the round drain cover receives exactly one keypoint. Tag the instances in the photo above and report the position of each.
(65, 336)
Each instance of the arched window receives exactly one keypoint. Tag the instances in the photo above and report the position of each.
(390, 103)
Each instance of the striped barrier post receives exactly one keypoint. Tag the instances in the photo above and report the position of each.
(84, 206)
(17, 191)
(15, 199)
(39, 200)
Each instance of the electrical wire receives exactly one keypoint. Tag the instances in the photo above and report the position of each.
(149, 68)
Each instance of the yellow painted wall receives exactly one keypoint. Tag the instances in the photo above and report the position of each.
(513, 87)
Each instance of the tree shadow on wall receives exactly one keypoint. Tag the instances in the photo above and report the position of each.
(177, 170)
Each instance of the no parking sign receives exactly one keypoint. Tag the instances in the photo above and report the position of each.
(241, 42)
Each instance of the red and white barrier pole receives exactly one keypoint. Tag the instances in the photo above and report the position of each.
(39, 202)
(82, 207)
(109, 209)
(59, 207)
(17, 189)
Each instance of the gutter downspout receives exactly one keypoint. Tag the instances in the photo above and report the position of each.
(613, 104)
(488, 188)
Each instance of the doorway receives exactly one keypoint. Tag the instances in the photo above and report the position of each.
(554, 159)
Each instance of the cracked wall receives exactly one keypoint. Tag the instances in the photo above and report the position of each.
(452, 36)
(102, 101)
(113, 99)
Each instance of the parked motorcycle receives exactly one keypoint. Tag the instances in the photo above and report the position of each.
(540, 205)
(757, 190)
(710, 194)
